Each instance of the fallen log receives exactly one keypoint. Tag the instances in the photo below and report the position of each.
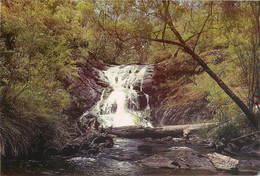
(159, 132)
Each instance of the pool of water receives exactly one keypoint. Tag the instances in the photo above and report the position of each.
(122, 159)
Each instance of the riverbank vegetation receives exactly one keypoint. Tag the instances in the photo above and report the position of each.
(44, 42)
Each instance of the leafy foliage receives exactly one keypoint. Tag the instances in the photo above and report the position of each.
(43, 42)
(36, 55)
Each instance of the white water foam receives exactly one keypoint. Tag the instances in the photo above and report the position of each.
(120, 104)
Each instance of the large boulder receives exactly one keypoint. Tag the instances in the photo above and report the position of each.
(222, 162)
(179, 158)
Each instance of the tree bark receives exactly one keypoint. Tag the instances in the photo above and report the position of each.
(159, 132)
(258, 24)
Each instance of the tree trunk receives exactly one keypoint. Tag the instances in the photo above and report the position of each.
(224, 87)
(197, 58)
(258, 24)
(159, 132)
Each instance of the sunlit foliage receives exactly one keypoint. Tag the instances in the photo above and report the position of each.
(44, 41)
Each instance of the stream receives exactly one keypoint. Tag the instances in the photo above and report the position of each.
(122, 159)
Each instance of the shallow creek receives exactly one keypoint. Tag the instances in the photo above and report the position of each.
(122, 159)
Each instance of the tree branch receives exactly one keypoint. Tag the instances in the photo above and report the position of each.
(198, 59)
(170, 23)
(163, 33)
(166, 41)
(204, 24)
(165, 23)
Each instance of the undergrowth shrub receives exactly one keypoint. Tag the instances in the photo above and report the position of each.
(23, 135)
(232, 122)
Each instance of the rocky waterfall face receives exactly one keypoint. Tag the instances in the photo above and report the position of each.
(124, 95)
(123, 102)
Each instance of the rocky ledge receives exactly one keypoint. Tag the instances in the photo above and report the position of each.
(195, 154)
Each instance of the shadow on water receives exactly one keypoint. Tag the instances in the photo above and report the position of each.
(122, 159)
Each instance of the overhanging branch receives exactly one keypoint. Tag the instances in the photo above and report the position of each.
(166, 41)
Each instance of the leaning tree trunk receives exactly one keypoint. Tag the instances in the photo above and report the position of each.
(197, 58)
(224, 87)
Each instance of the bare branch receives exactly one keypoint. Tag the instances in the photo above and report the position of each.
(163, 33)
(166, 41)
(170, 23)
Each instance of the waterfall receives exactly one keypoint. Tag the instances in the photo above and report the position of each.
(123, 103)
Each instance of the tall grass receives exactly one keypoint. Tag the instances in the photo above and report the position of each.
(22, 135)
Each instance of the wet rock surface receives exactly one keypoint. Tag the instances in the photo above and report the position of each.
(86, 89)
(171, 101)
(223, 162)
(164, 99)
(91, 143)
(138, 157)
(179, 158)
(195, 154)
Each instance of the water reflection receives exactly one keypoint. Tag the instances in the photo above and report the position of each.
(122, 159)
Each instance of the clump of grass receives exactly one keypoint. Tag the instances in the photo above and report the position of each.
(22, 135)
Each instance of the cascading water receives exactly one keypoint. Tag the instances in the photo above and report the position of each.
(123, 103)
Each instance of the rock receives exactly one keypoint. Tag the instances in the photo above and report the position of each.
(52, 151)
(223, 162)
(92, 142)
(146, 148)
(87, 122)
(148, 139)
(179, 158)
(158, 161)
(104, 141)
(81, 143)
(178, 140)
(168, 138)
(85, 90)
(188, 158)
(111, 136)
(211, 145)
(186, 134)
(69, 150)
(142, 100)
(123, 157)
(171, 100)
(182, 149)
(47, 173)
